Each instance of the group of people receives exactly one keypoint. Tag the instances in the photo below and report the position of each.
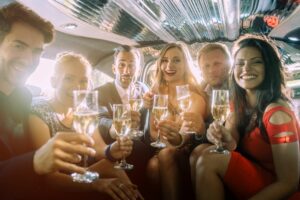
(39, 148)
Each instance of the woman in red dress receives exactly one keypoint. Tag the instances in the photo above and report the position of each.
(262, 133)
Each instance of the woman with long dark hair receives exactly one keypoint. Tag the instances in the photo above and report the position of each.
(262, 130)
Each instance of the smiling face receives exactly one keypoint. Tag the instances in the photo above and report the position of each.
(214, 66)
(20, 53)
(249, 68)
(125, 68)
(173, 65)
(71, 75)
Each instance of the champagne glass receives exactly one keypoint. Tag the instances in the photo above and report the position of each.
(122, 125)
(160, 112)
(136, 104)
(85, 121)
(184, 99)
(220, 112)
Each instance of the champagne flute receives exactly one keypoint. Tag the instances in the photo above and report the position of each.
(122, 125)
(85, 121)
(136, 104)
(220, 112)
(160, 112)
(184, 99)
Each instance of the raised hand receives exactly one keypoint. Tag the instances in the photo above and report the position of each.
(169, 130)
(192, 122)
(62, 152)
(148, 100)
(121, 148)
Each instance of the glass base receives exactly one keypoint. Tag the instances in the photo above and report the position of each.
(220, 150)
(87, 177)
(136, 134)
(124, 166)
(158, 144)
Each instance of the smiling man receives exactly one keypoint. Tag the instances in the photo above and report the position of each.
(23, 36)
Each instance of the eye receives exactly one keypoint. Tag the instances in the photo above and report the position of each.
(239, 64)
(164, 60)
(19, 46)
(176, 61)
(122, 65)
(68, 79)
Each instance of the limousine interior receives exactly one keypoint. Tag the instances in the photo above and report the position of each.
(95, 28)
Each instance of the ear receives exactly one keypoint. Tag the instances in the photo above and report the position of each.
(53, 81)
(113, 68)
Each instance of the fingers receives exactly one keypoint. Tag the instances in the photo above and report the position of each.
(73, 148)
(73, 137)
(123, 191)
(71, 158)
(65, 166)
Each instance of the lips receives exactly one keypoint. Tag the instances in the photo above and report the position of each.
(170, 72)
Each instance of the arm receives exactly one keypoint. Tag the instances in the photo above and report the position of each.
(281, 125)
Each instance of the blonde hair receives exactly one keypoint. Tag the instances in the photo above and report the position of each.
(70, 56)
(215, 46)
(188, 78)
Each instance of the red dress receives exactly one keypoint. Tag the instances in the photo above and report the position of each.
(244, 177)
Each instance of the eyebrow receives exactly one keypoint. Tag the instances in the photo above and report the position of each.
(25, 44)
(250, 58)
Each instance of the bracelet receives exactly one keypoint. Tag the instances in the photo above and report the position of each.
(182, 141)
(108, 155)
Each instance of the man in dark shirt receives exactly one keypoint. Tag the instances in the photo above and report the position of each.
(23, 35)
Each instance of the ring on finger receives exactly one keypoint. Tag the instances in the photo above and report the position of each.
(120, 185)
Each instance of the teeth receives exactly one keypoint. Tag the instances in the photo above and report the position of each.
(247, 77)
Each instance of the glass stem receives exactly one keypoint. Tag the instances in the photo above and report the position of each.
(158, 137)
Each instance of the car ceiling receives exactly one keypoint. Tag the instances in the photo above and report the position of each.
(102, 25)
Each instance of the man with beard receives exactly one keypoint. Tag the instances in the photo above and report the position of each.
(126, 67)
(23, 35)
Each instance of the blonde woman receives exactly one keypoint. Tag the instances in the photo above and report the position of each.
(173, 69)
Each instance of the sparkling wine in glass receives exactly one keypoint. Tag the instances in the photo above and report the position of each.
(136, 104)
(122, 125)
(184, 99)
(85, 121)
(160, 112)
(220, 111)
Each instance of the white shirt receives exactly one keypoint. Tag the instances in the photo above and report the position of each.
(123, 93)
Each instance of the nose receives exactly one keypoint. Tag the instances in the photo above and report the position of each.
(126, 69)
(247, 66)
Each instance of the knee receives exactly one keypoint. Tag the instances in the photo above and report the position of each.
(196, 153)
(167, 156)
(153, 167)
(205, 163)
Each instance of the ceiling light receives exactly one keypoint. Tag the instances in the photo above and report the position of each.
(70, 26)
(293, 39)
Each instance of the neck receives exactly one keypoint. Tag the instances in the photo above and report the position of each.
(251, 98)
(59, 106)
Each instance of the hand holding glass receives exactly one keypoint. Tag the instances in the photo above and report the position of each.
(184, 99)
(220, 111)
(85, 121)
(136, 104)
(160, 112)
(122, 125)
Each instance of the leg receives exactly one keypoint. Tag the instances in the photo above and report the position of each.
(210, 170)
(169, 173)
(153, 178)
(196, 153)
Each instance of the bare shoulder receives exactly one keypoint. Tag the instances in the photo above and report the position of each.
(279, 117)
(276, 104)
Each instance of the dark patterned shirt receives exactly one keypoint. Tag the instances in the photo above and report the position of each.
(43, 110)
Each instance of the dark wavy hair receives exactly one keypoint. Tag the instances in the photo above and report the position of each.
(269, 91)
(16, 12)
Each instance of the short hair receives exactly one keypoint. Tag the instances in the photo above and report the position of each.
(126, 48)
(16, 12)
(70, 56)
(214, 46)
